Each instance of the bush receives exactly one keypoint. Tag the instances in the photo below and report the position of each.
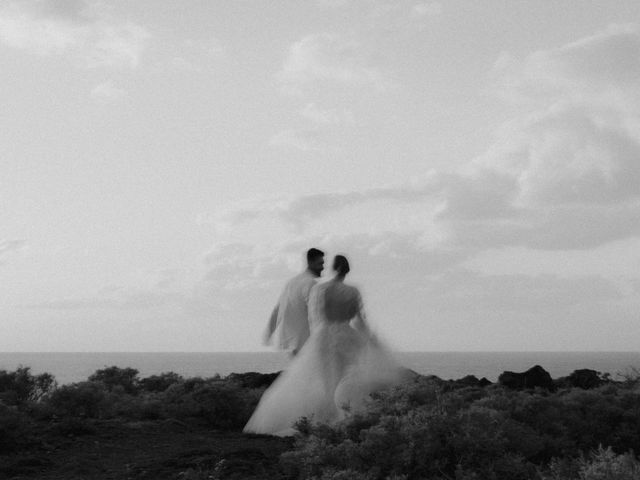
(601, 464)
(606, 465)
(83, 399)
(72, 426)
(116, 393)
(220, 404)
(16, 429)
(426, 429)
(113, 377)
(20, 386)
(630, 377)
(159, 383)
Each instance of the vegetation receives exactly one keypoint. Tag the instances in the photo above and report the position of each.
(115, 392)
(430, 429)
(586, 428)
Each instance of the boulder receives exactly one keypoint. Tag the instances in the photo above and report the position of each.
(484, 381)
(584, 378)
(473, 381)
(536, 376)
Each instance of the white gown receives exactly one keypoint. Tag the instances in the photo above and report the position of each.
(335, 370)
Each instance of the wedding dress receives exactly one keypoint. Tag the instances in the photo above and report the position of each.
(334, 372)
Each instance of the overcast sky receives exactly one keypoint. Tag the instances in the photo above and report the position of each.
(165, 164)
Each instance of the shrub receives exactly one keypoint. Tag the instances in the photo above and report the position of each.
(630, 377)
(16, 429)
(113, 377)
(146, 406)
(159, 383)
(221, 404)
(83, 399)
(21, 386)
(606, 465)
(72, 426)
(429, 430)
(42, 410)
(601, 464)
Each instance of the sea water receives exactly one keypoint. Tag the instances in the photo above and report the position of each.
(70, 367)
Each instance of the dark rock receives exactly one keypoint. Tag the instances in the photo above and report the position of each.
(471, 381)
(534, 377)
(253, 379)
(483, 382)
(584, 378)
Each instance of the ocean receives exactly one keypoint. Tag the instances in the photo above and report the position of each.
(71, 367)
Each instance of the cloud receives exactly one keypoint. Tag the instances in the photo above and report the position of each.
(167, 293)
(326, 117)
(569, 169)
(427, 9)
(339, 68)
(107, 92)
(195, 55)
(328, 59)
(300, 211)
(321, 123)
(9, 246)
(429, 293)
(529, 312)
(516, 293)
(387, 14)
(305, 140)
(402, 17)
(562, 174)
(130, 300)
(239, 266)
(87, 32)
(601, 69)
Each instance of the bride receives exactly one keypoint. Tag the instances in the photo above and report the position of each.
(336, 369)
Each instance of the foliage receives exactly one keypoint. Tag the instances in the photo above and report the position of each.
(427, 428)
(601, 464)
(114, 377)
(221, 404)
(432, 430)
(21, 386)
(606, 465)
(118, 393)
(82, 399)
(630, 377)
(16, 429)
(159, 383)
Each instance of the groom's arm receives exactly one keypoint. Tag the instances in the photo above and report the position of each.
(271, 326)
(307, 299)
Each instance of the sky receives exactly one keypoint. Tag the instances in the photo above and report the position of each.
(165, 164)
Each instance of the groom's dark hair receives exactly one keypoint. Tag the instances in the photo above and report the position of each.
(314, 253)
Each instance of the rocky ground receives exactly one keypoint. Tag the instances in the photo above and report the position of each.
(153, 450)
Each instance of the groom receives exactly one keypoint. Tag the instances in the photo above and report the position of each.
(289, 324)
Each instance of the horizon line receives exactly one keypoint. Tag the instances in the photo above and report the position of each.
(281, 352)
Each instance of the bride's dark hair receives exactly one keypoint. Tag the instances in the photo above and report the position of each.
(341, 265)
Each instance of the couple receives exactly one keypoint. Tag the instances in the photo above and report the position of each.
(336, 360)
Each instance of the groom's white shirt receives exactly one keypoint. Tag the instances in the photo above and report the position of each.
(291, 315)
